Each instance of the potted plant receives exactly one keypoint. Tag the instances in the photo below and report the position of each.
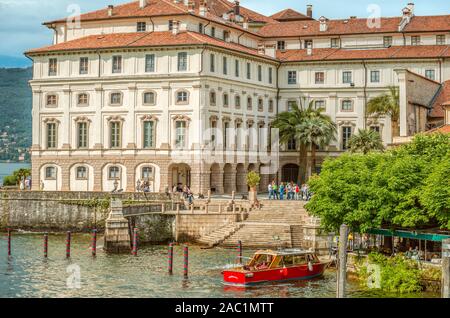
(253, 180)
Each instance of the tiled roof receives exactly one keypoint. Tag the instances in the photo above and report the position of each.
(443, 130)
(354, 26)
(394, 52)
(289, 15)
(443, 97)
(142, 39)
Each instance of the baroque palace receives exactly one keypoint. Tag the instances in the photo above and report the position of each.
(156, 89)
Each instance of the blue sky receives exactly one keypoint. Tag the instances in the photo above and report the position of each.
(21, 20)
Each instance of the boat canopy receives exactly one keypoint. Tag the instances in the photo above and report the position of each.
(436, 237)
(284, 252)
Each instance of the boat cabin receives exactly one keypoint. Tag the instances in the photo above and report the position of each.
(268, 259)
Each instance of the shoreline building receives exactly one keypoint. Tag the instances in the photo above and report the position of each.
(143, 90)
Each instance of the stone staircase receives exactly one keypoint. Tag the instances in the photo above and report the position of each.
(218, 236)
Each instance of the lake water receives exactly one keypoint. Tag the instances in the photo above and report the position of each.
(27, 274)
(7, 169)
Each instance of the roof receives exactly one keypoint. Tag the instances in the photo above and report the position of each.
(143, 39)
(443, 130)
(283, 252)
(443, 97)
(289, 15)
(354, 26)
(394, 52)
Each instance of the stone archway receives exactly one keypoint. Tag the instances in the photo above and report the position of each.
(289, 173)
(229, 179)
(241, 183)
(265, 178)
(216, 179)
(179, 175)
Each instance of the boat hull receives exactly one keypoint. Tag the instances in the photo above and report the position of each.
(246, 278)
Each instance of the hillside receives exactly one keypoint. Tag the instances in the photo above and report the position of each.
(15, 113)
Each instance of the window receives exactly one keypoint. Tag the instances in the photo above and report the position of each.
(141, 27)
(292, 144)
(114, 172)
(320, 77)
(270, 105)
(182, 62)
(292, 77)
(147, 173)
(212, 98)
(83, 99)
(200, 28)
(374, 76)
(281, 45)
(213, 32)
(52, 100)
(226, 36)
(225, 65)
(249, 71)
(335, 43)
(259, 73)
(440, 39)
(149, 134)
(347, 77)
(81, 173)
(431, 74)
(50, 173)
(308, 43)
(387, 41)
(115, 134)
(117, 64)
(375, 128)
(225, 100)
(260, 105)
(270, 75)
(346, 134)
(237, 101)
(182, 97)
(415, 40)
(116, 99)
(291, 105)
(150, 63)
(236, 68)
(52, 67)
(180, 140)
(149, 98)
(82, 129)
(212, 63)
(319, 104)
(51, 135)
(170, 25)
(226, 126)
(84, 65)
(249, 103)
(347, 105)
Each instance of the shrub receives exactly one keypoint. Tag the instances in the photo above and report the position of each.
(253, 179)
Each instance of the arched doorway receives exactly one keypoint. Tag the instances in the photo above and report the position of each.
(228, 179)
(216, 179)
(179, 175)
(290, 173)
(241, 184)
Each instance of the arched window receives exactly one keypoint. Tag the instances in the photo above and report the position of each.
(260, 104)
(52, 100)
(182, 97)
(270, 105)
(50, 173)
(83, 99)
(82, 173)
(114, 172)
(249, 103)
(212, 98)
(149, 98)
(225, 100)
(347, 105)
(237, 102)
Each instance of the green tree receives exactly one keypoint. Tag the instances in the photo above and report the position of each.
(15, 178)
(365, 140)
(289, 124)
(387, 105)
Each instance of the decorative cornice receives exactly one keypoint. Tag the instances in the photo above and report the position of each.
(51, 120)
(181, 117)
(149, 118)
(346, 123)
(82, 119)
(115, 118)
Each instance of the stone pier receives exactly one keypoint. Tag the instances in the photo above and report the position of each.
(117, 235)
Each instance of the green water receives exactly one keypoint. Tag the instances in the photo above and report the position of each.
(27, 274)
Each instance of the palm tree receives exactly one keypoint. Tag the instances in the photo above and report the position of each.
(315, 132)
(288, 124)
(365, 141)
(387, 104)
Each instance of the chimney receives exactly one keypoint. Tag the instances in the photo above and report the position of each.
(245, 24)
(175, 27)
(309, 49)
(237, 8)
(323, 24)
(203, 8)
(142, 4)
(261, 49)
(309, 11)
(110, 10)
(410, 6)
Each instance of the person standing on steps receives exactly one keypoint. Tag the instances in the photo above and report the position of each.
(270, 189)
(275, 190)
(282, 190)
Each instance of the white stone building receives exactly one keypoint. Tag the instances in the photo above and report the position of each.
(143, 90)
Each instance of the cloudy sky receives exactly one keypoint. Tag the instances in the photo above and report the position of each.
(21, 20)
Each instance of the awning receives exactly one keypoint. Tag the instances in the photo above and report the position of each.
(410, 234)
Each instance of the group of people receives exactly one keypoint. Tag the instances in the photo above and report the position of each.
(185, 191)
(143, 186)
(290, 191)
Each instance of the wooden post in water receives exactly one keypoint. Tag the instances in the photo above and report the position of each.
(240, 252)
(46, 245)
(9, 241)
(94, 242)
(342, 262)
(186, 261)
(135, 241)
(445, 283)
(170, 258)
(68, 240)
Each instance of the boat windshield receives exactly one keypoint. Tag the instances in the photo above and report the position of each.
(261, 261)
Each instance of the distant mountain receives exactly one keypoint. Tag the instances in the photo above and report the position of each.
(15, 113)
(13, 61)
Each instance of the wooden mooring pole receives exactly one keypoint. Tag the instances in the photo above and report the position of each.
(240, 252)
(170, 258)
(445, 284)
(46, 245)
(135, 241)
(94, 242)
(68, 241)
(9, 241)
(186, 261)
(342, 262)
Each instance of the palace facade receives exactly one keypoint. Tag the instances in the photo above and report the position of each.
(150, 89)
